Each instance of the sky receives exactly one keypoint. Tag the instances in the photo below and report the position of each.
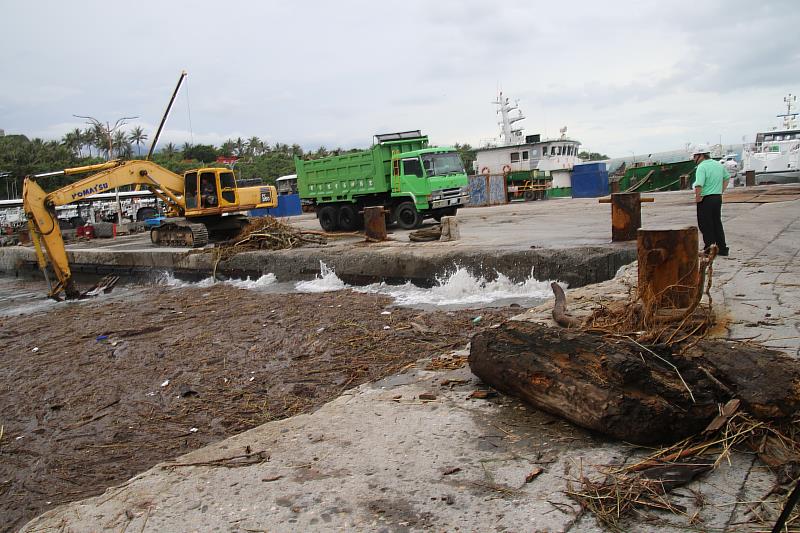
(623, 77)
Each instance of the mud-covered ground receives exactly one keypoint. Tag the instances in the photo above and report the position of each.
(92, 394)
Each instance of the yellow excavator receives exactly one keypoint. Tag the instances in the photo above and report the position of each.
(200, 204)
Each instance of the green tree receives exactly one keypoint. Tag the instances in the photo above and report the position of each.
(170, 150)
(72, 141)
(204, 153)
(255, 147)
(467, 154)
(121, 145)
(101, 140)
(89, 139)
(227, 148)
(20, 156)
(592, 156)
(239, 147)
(137, 136)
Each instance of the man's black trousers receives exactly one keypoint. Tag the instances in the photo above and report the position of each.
(709, 219)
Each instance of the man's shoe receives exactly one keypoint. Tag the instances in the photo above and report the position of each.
(723, 253)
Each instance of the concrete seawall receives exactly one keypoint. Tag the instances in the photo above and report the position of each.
(576, 266)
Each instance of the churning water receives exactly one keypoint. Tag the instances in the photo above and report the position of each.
(456, 290)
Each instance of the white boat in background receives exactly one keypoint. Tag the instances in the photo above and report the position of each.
(775, 156)
(515, 151)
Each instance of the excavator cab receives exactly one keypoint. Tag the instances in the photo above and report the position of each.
(210, 191)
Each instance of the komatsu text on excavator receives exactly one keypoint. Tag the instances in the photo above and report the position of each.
(201, 203)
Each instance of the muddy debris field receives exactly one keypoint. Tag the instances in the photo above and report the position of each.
(93, 394)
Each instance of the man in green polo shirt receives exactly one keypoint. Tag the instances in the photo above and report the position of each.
(711, 180)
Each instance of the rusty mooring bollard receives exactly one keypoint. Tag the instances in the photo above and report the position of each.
(375, 223)
(668, 267)
(750, 178)
(626, 214)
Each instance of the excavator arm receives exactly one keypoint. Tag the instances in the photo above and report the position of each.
(40, 208)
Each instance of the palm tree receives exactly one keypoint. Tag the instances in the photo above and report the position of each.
(239, 146)
(89, 139)
(102, 140)
(138, 137)
(121, 145)
(72, 141)
(169, 150)
(80, 140)
(255, 146)
(227, 148)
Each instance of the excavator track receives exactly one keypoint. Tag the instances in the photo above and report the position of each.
(180, 234)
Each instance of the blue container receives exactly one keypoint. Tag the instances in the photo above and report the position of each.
(588, 167)
(288, 206)
(589, 184)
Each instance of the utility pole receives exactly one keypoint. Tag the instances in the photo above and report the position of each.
(108, 130)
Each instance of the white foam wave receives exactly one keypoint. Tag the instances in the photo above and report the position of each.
(327, 281)
(462, 288)
(169, 280)
(262, 282)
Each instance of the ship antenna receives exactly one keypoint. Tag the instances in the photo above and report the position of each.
(789, 118)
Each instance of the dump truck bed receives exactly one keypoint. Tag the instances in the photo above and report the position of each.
(341, 177)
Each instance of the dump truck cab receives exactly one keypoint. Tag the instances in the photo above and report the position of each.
(433, 177)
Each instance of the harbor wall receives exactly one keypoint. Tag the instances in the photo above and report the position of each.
(575, 266)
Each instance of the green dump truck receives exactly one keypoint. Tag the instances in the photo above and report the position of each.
(410, 179)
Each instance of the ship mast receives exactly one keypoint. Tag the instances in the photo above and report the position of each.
(789, 118)
(509, 136)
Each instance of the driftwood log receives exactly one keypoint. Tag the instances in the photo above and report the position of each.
(630, 392)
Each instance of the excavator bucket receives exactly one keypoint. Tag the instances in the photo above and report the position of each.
(104, 286)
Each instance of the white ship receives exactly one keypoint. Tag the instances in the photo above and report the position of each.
(516, 151)
(775, 156)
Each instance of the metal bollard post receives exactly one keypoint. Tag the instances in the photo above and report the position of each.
(375, 223)
(626, 215)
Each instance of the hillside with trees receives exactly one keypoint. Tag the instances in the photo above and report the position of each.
(256, 159)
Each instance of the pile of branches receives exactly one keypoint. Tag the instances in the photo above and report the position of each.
(640, 318)
(623, 492)
(266, 233)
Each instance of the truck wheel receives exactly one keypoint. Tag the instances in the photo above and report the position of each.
(407, 216)
(349, 219)
(327, 218)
